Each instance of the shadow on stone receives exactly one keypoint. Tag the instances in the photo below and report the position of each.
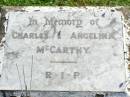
(99, 95)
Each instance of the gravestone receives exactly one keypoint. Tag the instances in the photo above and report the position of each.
(64, 49)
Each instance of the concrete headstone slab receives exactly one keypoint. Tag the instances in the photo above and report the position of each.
(67, 49)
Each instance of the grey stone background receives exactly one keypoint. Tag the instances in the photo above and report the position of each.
(5, 93)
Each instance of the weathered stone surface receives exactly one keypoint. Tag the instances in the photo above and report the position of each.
(81, 51)
(64, 94)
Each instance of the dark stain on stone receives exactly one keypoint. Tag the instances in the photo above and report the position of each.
(61, 9)
(128, 89)
(128, 53)
(112, 10)
(103, 15)
(21, 10)
(129, 67)
(12, 55)
(2, 20)
(36, 10)
(99, 95)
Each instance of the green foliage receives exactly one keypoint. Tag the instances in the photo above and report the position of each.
(65, 2)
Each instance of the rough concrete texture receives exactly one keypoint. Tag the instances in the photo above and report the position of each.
(126, 13)
(64, 94)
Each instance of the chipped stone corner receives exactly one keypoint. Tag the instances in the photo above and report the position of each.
(4, 18)
(3, 27)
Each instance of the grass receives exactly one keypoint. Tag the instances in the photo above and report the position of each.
(65, 2)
